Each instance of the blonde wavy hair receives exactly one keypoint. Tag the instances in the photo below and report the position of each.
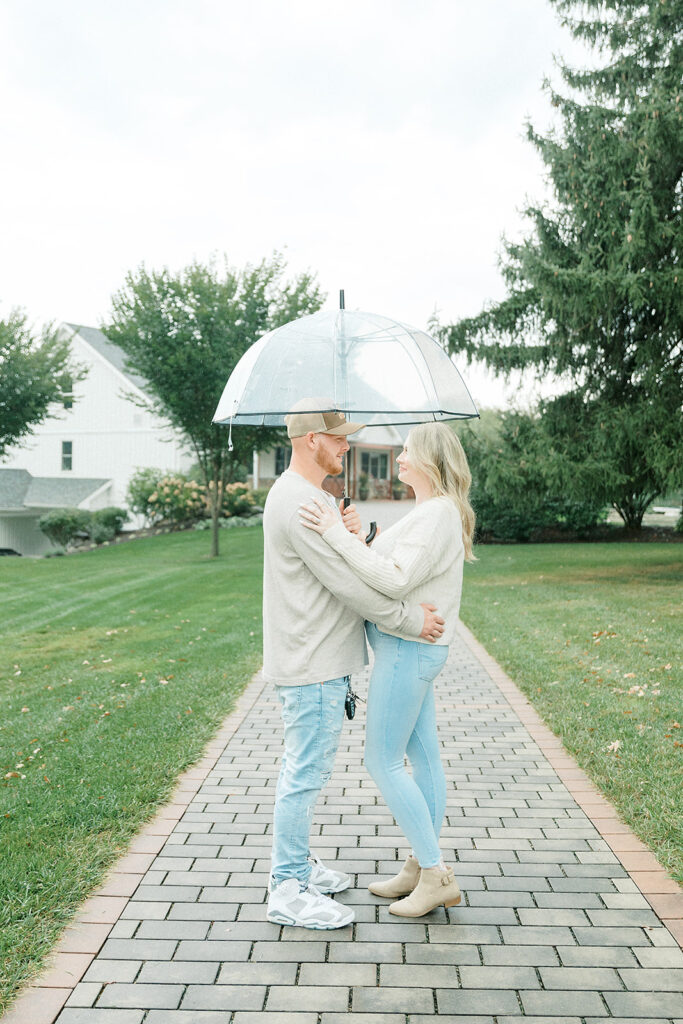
(435, 449)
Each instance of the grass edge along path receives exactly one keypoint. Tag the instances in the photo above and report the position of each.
(116, 668)
(588, 634)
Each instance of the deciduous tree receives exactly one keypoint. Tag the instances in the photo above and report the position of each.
(185, 331)
(36, 371)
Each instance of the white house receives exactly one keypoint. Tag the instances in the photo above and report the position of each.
(101, 433)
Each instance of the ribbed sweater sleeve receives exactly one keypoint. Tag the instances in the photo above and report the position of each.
(420, 548)
(338, 577)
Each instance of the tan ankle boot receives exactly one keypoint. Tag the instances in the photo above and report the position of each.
(401, 884)
(436, 888)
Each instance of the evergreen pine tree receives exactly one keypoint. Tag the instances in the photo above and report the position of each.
(594, 290)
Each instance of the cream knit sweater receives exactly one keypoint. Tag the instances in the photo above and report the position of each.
(314, 604)
(418, 559)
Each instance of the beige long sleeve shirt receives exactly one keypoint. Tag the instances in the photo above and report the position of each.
(419, 559)
(314, 604)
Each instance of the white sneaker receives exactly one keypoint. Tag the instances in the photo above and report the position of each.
(307, 908)
(325, 879)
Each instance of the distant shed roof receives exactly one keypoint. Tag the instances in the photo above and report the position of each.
(19, 490)
(109, 351)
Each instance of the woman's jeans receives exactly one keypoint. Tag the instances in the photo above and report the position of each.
(401, 719)
(313, 716)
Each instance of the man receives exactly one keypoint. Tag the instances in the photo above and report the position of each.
(314, 639)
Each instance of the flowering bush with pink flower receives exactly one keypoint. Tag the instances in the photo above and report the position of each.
(176, 501)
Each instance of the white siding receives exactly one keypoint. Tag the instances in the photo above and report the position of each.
(21, 533)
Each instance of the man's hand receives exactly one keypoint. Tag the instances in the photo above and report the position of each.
(351, 519)
(434, 624)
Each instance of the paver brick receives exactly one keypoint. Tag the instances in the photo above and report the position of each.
(556, 1002)
(257, 974)
(97, 1015)
(306, 997)
(419, 975)
(188, 1017)
(368, 952)
(537, 936)
(183, 972)
(596, 956)
(519, 956)
(654, 980)
(212, 950)
(392, 1000)
(172, 930)
(639, 1005)
(310, 951)
(85, 993)
(568, 978)
(338, 974)
(112, 970)
(224, 997)
(499, 977)
(469, 1003)
(139, 949)
(141, 996)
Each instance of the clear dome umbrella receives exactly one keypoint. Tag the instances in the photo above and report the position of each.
(373, 369)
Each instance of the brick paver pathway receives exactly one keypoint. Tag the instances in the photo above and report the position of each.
(551, 927)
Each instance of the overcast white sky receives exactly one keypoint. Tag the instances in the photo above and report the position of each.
(378, 143)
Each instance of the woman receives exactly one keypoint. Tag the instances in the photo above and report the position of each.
(418, 559)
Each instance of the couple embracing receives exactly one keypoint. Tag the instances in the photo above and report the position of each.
(323, 589)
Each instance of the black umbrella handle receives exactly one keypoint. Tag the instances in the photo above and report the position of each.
(373, 526)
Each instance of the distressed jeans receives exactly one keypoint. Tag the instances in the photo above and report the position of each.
(401, 720)
(313, 716)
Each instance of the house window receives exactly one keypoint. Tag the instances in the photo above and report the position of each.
(283, 454)
(375, 464)
(67, 454)
(68, 398)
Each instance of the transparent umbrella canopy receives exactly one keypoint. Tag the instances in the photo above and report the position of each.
(373, 369)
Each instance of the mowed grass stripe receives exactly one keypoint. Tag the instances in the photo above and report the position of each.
(591, 633)
(128, 658)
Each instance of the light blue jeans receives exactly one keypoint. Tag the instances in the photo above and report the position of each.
(401, 720)
(313, 716)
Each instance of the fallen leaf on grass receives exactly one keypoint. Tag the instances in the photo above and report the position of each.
(614, 746)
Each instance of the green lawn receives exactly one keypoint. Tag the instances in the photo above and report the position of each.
(592, 634)
(116, 666)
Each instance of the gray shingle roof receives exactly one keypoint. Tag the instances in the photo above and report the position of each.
(111, 352)
(20, 490)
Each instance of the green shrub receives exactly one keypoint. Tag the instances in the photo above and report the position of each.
(142, 484)
(63, 525)
(515, 494)
(111, 517)
(101, 532)
(260, 494)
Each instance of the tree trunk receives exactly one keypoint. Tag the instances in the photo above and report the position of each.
(216, 502)
(632, 508)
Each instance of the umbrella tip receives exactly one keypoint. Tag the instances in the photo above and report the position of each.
(341, 298)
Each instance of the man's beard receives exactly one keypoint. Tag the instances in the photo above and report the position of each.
(328, 462)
